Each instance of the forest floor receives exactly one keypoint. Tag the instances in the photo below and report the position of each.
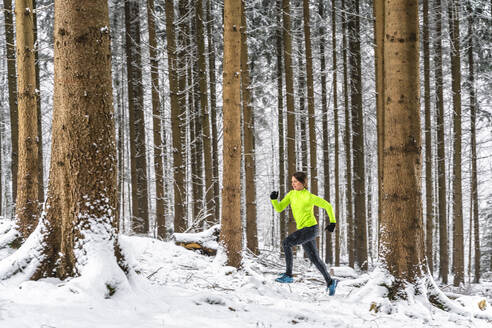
(175, 287)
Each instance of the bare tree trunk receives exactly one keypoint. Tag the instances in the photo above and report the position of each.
(302, 117)
(402, 244)
(27, 183)
(289, 89)
(324, 108)
(249, 142)
(348, 143)
(280, 106)
(12, 85)
(335, 119)
(213, 113)
(458, 242)
(441, 164)
(310, 99)
(1, 158)
(177, 86)
(231, 231)
(473, 128)
(38, 108)
(156, 122)
(379, 68)
(207, 149)
(197, 118)
(140, 205)
(82, 184)
(358, 139)
(428, 144)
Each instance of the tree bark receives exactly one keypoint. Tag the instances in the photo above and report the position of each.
(473, 128)
(281, 118)
(27, 183)
(313, 166)
(458, 242)
(156, 123)
(38, 108)
(213, 113)
(207, 146)
(429, 217)
(249, 141)
(379, 68)
(441, 164)
(358, 137)
(12, 86)
(302, 142)
(348, 143)
(80, 219)
(177, 85)
(335, 120)
(324, 109)
(140, 206)
(196, 118)
(231, 230)
(402, 245)
(289, 89)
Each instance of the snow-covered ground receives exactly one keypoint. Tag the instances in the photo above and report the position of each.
(175, 287)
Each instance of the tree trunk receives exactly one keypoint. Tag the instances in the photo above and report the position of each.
(289, 89)
(38, 108)
(358, 137)
(156, 123)
(302, 117)
(441, 164)
(27, 183)
(370, 225)
(12, 85)
(79, 223)
(213, 113)
(473, 128)
(402, 245)
(231, 231)
(197, 169)
(2, 184)
(249, 142)
(335, 120)
(207, 147)
(324, 108)
(458, 242)
(140, 206)
(348, 143)
(310, 99)
(177, 85)
(379, 68)
(117, 71)
(429, 217)
(281, 118)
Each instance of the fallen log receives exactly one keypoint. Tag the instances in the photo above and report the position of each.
(206, 242)
(343, 272)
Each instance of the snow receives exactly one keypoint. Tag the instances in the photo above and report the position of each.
(170, 286)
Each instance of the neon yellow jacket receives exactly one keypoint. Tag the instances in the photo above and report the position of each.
(302, 203)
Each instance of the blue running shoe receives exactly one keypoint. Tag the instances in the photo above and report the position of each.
(332, 287)
(285, 279)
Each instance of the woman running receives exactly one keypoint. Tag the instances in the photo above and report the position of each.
(301, 203)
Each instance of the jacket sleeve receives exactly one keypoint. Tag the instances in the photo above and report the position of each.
(320, 202)
(280, 206)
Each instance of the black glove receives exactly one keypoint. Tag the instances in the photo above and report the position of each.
(274, 195)
(331, 227)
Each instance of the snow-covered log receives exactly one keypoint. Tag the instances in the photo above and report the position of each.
(343, 272)
(206, 241)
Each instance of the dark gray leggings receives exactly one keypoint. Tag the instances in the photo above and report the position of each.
(305, 237)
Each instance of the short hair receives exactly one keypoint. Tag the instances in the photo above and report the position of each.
(301, 177)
